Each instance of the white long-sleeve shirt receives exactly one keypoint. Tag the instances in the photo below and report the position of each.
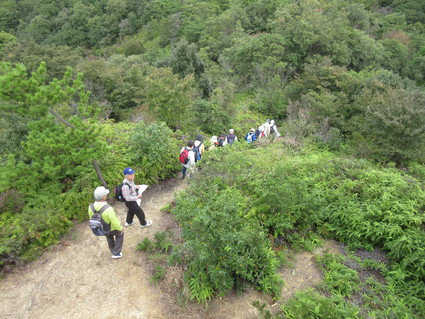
(191, 162)
(274, 129)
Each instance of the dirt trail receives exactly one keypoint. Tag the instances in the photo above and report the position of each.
(78, 275)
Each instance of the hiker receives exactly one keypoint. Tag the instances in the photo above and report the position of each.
(273, 129)
(250, 137)
(265, 129)
(198, 148)
(221, 140)
(191, 158)
(115, 237)
(130, 194)
(213, 142)
(231, 137)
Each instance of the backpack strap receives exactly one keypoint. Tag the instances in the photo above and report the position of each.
(104, 207)
(129, 187)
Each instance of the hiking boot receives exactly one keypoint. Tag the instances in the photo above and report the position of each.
(127, 224)
(117, 256)
(148, 223)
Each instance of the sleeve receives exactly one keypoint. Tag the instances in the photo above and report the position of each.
(191, 158)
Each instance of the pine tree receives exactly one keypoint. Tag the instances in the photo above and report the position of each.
(63, 132)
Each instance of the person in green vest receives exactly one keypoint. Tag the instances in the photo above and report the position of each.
(116, 236)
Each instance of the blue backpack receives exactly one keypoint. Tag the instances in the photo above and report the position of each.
(250, 137)
(197, 151)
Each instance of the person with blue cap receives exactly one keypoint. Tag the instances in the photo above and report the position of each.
(130, 194)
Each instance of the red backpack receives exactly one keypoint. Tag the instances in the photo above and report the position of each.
(184, 156)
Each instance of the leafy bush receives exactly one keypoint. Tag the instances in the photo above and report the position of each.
(246, 194)
(209, 118)
(222, 248)
(154, 150)
(310, 304)
(338, 278)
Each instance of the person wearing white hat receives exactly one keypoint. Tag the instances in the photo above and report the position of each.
(115, 237)
(265, 129)
(231, 137)
(213, 142)
(250, 137)
(273, 129)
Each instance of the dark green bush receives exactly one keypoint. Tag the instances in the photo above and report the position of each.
(223, 249)
(155, 151)
(245, 195)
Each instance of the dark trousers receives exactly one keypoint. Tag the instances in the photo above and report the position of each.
(115, 240)
(184, 170)
(134, 209)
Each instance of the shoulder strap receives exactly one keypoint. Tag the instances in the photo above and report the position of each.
(104, 207)
(129, 186)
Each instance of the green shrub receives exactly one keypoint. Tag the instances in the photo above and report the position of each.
(145, 245)
(241, 192)
(159, 274)
(222, 248)
(338, 278)
(310, 304)
(155, 151)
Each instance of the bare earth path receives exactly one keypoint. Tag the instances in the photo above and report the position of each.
(78, 276)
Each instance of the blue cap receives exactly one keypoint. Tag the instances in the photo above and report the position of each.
(129, 171)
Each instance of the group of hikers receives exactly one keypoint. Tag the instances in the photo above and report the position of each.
(194, 149)
(103, 219)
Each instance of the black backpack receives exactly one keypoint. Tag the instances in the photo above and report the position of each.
(220, 141)
(118, 192)
(257, 132)
(98, 226)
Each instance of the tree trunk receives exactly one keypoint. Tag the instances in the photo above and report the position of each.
(99, 173)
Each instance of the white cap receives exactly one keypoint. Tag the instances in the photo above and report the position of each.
(100, 192)
(231, 130)
(272, 122)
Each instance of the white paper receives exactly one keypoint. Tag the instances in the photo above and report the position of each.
(142, 188)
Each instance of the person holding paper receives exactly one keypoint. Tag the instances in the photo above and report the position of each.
(132, 194)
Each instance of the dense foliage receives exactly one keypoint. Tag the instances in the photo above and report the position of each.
(291, 198)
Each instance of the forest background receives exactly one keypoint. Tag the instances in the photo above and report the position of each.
(90, 87)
